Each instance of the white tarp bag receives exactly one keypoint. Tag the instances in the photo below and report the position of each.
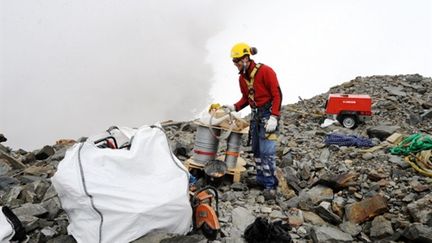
(116, 195)
(6, 229)
(11, 228)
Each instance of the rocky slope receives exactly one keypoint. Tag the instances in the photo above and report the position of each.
(327, 192)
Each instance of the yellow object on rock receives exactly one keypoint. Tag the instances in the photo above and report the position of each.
(215, 106)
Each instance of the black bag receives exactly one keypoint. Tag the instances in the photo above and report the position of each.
(261, 231)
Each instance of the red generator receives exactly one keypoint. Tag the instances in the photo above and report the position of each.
(349, 109)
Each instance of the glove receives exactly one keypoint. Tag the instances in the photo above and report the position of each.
(271, 124)
(229, 108)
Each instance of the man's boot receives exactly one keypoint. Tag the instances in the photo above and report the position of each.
(251, 182)
(269, 194)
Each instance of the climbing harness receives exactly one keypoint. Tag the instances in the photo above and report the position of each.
(250, 83)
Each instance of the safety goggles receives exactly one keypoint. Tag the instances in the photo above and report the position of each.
(237, 60)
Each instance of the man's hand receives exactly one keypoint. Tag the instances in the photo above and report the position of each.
(229, 108)
(271, 124)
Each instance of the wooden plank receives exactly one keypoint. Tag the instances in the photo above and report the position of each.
(395, 138)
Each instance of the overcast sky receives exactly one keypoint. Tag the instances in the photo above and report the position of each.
(72, 68)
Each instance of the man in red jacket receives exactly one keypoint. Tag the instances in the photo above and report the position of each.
(260, 90)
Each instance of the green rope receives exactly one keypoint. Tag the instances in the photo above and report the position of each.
(412, 144)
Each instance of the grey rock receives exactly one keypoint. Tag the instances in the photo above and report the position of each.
(185, 239)
(2, 138)
(238, 187)
(399, 161)
(413, 118)
(290, 175)
(414, 78)
(12, 194)
(421, 210)
(48, 232)
(62, 239)
(324, 156)
(367, 156)
(30, 209)
(4, 149)
(59, 154)
(313, 218)
(427, 114)
(350, 228)
(320, 193)
(295, 217)
(260, 199)
(326, 234)
(154, 236)
(11, 160)
(29, 158)
(4, 167)
(53, 207)
(382, 132)
(45, 152)
(381, 228)
(50, 193)
(327, 214)
(276, 214)
(29, 222)
(287, 160)
(396, 91)
(418, 233)
(266, 210)
(241, 218)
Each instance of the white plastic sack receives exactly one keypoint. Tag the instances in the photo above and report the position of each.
(328, 122)
(6, 229)
(120, 195)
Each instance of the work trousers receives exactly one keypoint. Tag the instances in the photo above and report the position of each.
(264, 150)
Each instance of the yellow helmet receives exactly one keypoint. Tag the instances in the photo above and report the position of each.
(241, 49)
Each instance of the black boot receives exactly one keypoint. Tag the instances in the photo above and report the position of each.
(269, 194)
(251, 182)
(20, 233)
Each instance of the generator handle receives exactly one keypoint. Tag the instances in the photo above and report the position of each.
(106, 138)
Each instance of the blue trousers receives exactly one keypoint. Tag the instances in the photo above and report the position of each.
(264, 151)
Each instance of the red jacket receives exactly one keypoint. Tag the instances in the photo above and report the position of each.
(266, 88)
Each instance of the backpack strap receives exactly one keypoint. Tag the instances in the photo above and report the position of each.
(250, 83)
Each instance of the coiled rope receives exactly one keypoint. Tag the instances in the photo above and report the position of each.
(417, 150)
(412, 144)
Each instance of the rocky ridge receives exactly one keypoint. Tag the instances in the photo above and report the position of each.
(327, 193)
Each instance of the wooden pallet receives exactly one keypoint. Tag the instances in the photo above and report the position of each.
(235, 172)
